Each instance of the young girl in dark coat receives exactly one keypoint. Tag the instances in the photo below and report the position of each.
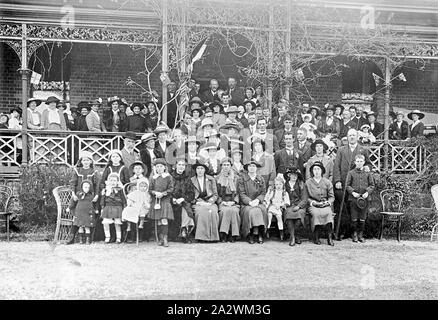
(161, 189)
(84, 210)
(112, 202)
(84, 171)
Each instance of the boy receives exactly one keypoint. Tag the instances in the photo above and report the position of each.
(360, 184)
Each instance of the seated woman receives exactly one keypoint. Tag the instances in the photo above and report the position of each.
(252, 191)
(205, 208)
(295, 213)
(229, 209)
(319, 194)
(182, 197)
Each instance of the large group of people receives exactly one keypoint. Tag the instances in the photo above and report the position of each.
(232, 168)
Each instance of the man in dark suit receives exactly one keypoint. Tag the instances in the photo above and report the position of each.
(286, 157)
(288, 129)
(172, 106)
(376, 128)
(211, 95)
(277, 121)
(357, 116)
(302, 146)
(237, 94)
(346, 124)
(399, 129)
(344, 162)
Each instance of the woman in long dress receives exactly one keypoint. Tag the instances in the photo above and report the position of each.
(319, 194)
(252, 191)
(228, 200)
(205, 208)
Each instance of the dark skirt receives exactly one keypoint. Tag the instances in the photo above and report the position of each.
(291, 215)
(84, 215)
(112, 212)
(253, 217)
(165, 212)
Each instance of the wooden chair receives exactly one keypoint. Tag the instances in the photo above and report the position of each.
(391, 209)
(126, 189)
(64, 221)
(5, 197)
(434, 191)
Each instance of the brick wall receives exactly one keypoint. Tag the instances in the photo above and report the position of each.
(420, 91)
(101, 71)
(10, 78)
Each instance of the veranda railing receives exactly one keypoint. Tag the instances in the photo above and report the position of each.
(64, 148)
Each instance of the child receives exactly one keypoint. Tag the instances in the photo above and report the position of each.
(112, 202)
(83, 205)
(115, 165)
(276, 200)
(360, 184)
(84, 171)
(161, 188)
(365, 135)
(139, 202)
(139, 169)
(309, 126)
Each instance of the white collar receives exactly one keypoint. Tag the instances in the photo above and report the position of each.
(163, 175)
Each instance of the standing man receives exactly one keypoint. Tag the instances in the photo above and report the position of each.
(287, 157)
(237, 94)
(288, 129)
(129, 155)
(344, 162)
(172, 106)
(303, 147)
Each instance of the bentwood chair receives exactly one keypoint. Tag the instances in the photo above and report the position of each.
(64, 221)
(391, 209)
(434, 191)
(5, 197)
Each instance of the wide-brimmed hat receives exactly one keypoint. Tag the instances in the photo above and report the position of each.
(371, 113)
(330, 107)
(195, 100)
(206, 122)
(84, 104)
(198, 108)
(252, 103)
(38, 101)
(210, 145)
(252, 161)
(139, 163)
(233, 151)
(292, 170)
(307, 115)
(318, 110)
(52, 99)
(339, 106)
(15, 108)
(151, 101)
(192, 139)
(61, 104)
(319, 141)
(137, 104)
(228, 126)
(208, 109)
(96, 102)
(130, 135)
(226, 159)
(110, 100)
(361, 202)
(161, 128)
(232, 109)
(148, 136)
(317, 164)
(214, 132)
(365, 126)
(160, 161)
(214, 104)
(416, 111)
(199, 164)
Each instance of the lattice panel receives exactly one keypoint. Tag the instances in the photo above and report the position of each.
(375, 157)
(404, 159)
(99, 147)
(8, 150)
(49, 149)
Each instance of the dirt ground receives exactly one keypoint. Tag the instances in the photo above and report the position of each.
(374, 270)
